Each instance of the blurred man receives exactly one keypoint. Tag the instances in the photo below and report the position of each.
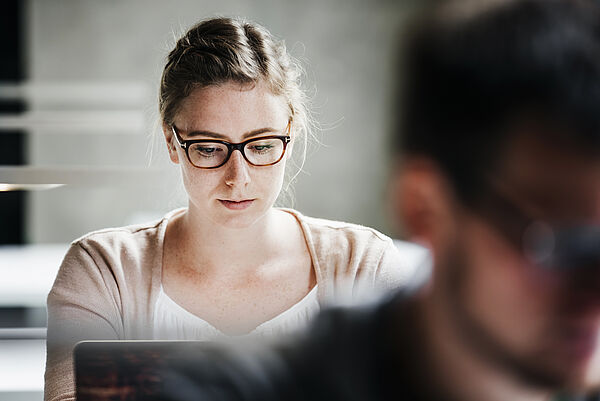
(500, 178)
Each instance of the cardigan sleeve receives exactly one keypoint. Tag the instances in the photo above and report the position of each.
(355, 264)
(382, 269)
(83, 304)
(393, 270)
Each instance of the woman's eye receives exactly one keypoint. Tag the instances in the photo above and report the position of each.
(208, 151)
(261, 148)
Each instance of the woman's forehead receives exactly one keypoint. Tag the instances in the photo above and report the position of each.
(232, 108)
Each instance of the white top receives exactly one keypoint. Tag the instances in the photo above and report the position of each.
(173, 322)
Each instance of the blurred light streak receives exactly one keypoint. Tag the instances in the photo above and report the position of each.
(78, 93)
(27, 187)
(107, 122)
(84, 176)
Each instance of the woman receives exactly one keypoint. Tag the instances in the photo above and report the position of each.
(230, 263)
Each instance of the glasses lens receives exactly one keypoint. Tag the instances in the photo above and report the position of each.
(207, 154)
(578, 246)
(569, 248)
(264, 151)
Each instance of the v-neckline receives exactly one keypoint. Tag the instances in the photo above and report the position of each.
(311, 251)
(195, 318)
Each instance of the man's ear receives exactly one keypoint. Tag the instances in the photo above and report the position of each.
(423, 200)
(171, 143)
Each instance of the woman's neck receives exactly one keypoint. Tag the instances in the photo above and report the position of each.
(218, 249)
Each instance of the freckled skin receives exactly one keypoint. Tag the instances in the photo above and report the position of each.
(234, 268)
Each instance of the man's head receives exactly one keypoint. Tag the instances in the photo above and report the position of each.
(500, 144)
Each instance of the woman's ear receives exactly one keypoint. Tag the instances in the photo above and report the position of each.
(171, 143)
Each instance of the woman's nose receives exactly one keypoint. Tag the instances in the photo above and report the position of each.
(236, 173)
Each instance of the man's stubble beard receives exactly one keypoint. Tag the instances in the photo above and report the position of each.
(481, 341)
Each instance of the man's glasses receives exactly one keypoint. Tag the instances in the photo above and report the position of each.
(212, 153)
(557, 247)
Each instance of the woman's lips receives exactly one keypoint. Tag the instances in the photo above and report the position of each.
(236, 205)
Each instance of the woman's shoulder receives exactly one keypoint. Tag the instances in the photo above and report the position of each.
(113, 235)
(134, 244)
(353, 262)
(140, 233)
(334, 230)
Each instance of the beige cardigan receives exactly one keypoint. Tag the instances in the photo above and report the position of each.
(109, 280)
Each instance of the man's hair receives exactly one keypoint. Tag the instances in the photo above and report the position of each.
(475, 69)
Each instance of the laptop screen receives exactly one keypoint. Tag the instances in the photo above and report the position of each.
(126, 370)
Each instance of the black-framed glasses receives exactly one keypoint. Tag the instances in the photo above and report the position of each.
(212, 153)
(552, 246)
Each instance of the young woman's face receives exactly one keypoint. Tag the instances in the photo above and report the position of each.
(237, 194)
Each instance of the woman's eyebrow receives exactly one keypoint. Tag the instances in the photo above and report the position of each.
(216, 135)
(209, 134)
(258, 132)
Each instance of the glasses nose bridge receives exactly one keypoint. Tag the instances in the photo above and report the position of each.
(236, 168)
(237, 146)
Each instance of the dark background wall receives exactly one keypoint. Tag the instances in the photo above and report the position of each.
(12, 142)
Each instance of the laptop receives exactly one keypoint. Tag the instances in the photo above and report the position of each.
(127, 370)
